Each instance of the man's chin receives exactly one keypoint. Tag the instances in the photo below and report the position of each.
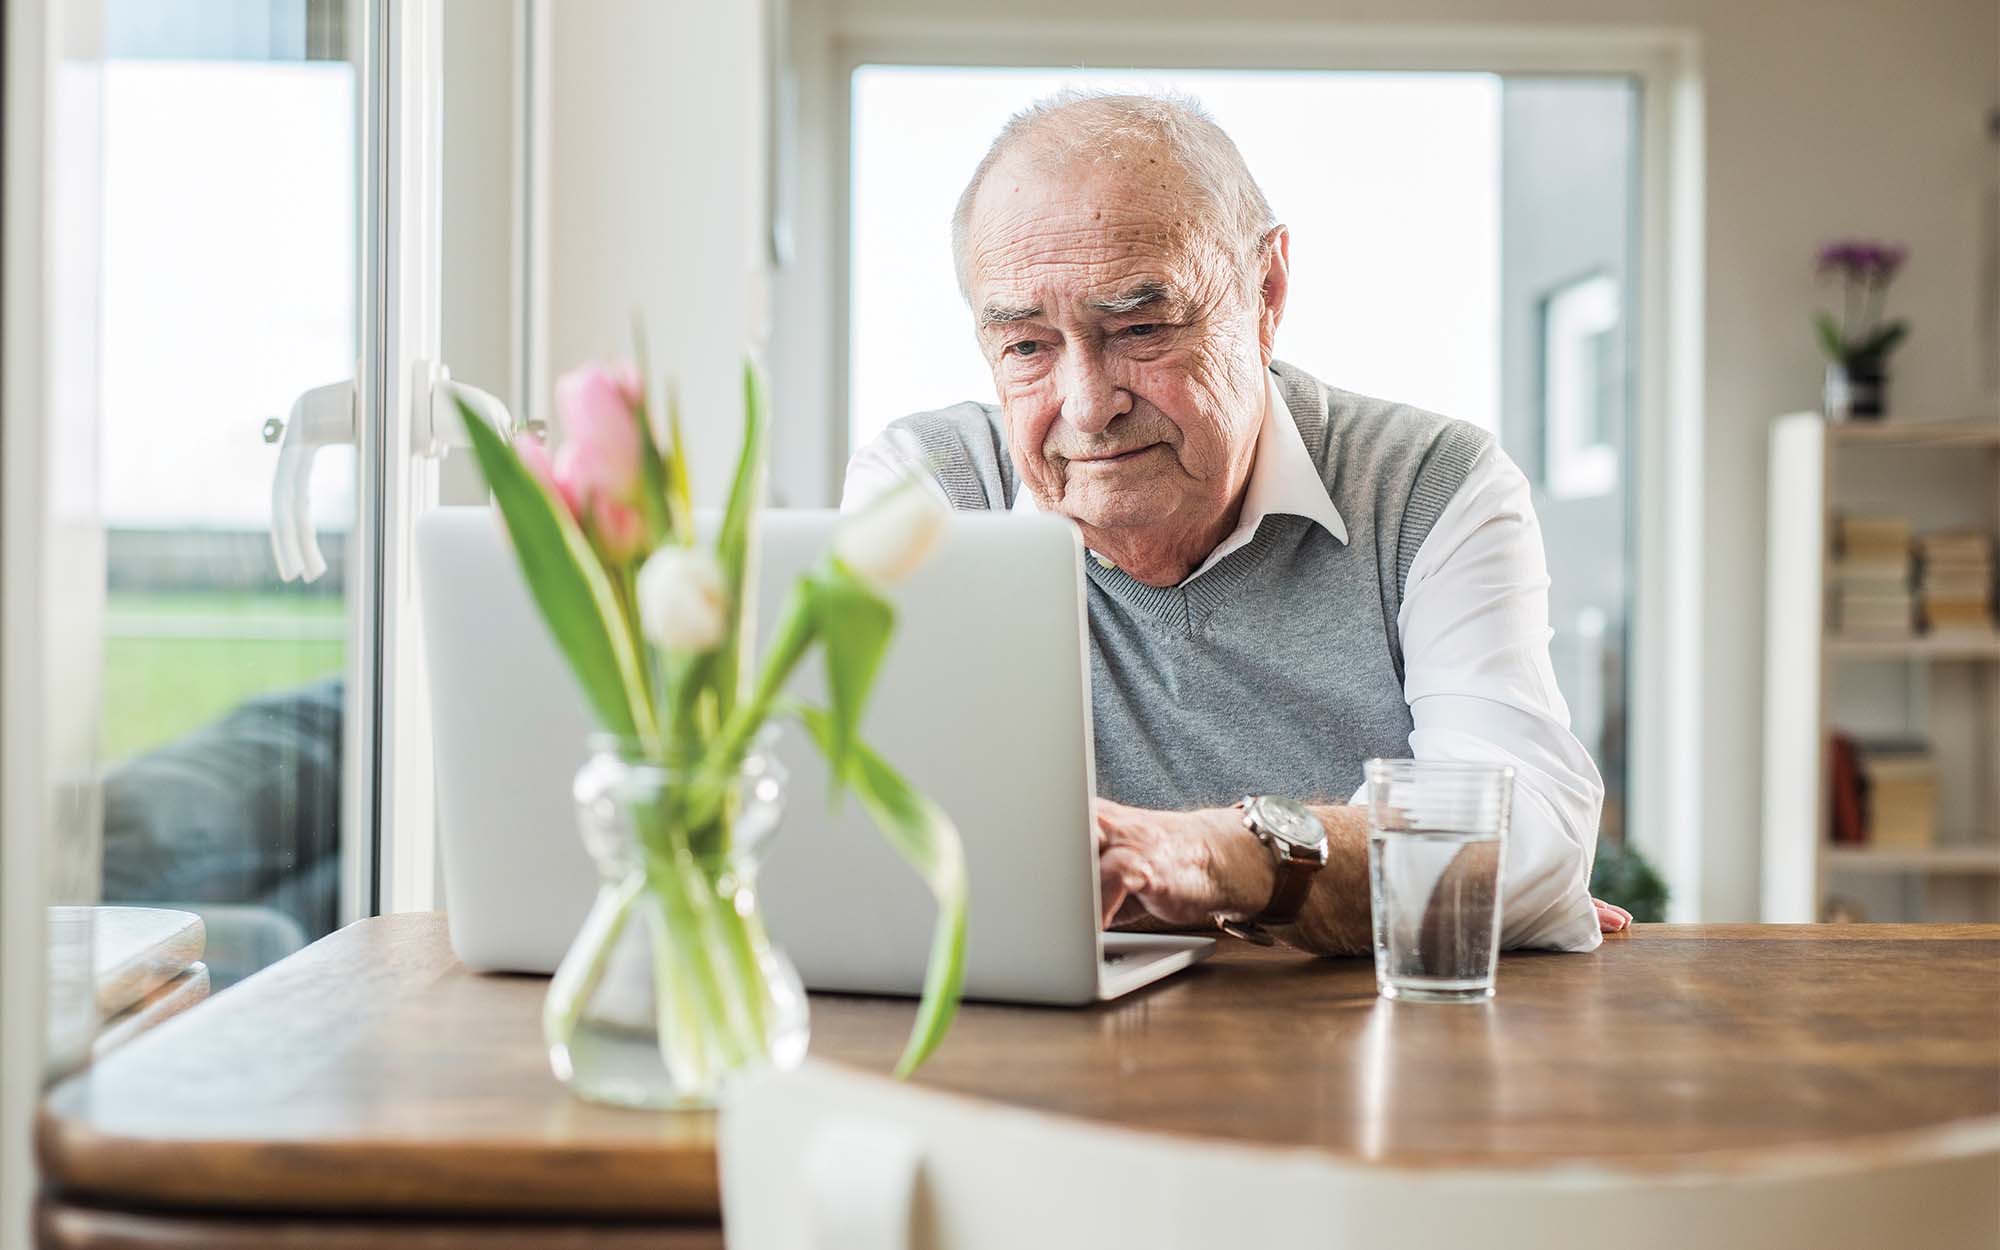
(1117, 510)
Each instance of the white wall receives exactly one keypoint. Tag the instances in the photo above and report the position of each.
(478, 328)
(1862, 116)
(655, 199)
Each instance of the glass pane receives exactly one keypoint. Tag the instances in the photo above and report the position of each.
(230, 288)
(1492, 243)
(1568, 174)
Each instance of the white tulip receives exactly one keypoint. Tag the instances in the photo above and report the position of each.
(890, 538)
(683, 605)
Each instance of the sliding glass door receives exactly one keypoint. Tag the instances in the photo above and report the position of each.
(233, 284)
(269, 264)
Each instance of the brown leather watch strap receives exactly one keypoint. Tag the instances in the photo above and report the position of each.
(1288, 892)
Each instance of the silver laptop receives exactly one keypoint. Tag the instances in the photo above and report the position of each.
(984, 703)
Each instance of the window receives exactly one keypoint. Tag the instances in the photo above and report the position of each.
(1460, 241)
(230, 281)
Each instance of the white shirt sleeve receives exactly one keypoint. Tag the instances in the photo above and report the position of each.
(892, 458)
(1481, 689)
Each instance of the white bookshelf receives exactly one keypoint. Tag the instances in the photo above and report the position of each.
(1969, 858)
(1944, 688)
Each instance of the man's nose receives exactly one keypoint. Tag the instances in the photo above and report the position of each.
(1092, 398)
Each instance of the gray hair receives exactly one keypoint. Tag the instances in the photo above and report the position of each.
(1102, 126)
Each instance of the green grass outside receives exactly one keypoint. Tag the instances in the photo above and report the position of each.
(267, 606)
(157, 688)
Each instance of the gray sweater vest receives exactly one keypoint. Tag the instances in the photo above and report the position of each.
(1279, 670)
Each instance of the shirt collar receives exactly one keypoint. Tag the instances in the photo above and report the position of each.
(1284, 481)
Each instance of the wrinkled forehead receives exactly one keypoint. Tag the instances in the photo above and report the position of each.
(1047, 241)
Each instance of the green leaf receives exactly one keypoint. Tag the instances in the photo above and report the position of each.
(680, 496)
(663, 521)
(1829, 337)
(1883, 341)
(734, 541)
(923, 835)
(653, 481)
(569, 585)
(854, 625)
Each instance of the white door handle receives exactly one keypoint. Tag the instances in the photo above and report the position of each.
(440, 429)
(325, 415)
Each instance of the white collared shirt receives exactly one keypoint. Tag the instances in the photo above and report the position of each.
(1475, 634)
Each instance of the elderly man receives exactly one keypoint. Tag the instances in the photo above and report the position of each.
(1285, 578)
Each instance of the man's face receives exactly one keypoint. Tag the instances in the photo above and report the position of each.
(1128, 356)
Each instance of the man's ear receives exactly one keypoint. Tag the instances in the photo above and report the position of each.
(1275, 266)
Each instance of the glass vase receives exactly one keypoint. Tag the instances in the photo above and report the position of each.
(672, 985)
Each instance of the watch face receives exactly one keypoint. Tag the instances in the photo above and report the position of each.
(1288, 821)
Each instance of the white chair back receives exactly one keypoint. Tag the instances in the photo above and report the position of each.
(826, 1159)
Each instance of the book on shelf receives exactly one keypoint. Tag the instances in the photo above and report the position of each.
(1862, 537)
(1844, 773)
(1951, 572)
(1876, 614)
(1884, 793)
(1871, 577)
(1971, 585)
(1899, 796)
(1958, 618)
(1964, 546)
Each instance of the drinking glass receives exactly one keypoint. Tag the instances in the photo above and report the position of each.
(1436, 835)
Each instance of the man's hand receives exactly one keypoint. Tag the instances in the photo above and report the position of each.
(1179, 867)
(1611, 918)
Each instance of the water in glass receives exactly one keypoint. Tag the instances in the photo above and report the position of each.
(1436, 835)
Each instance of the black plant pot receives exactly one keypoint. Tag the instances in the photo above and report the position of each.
(1857, 390)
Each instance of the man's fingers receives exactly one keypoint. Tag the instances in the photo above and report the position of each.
(1120, 874)
(1131, 913)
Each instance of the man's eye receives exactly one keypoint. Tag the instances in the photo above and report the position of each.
(1141, 331)
(1026, 347)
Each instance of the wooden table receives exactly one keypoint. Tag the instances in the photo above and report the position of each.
(369, 1092)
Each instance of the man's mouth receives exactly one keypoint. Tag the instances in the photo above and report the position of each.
(1110, 458)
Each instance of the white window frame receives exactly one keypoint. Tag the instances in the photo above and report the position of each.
(811, 365)
(402, 211)
(51, 541)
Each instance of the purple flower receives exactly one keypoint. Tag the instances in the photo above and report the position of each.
(1861, 260)
(1840, 255)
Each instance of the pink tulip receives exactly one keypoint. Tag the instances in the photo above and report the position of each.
(600, 448)
(536, 458)
(625, 375)
(619, 529)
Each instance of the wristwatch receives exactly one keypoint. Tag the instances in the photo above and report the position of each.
(1297, 842)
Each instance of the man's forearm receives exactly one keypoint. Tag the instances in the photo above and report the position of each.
(1335, 917)
(1218, 867)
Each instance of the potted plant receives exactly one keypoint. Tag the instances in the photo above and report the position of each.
(673, 983)
(1857, 345)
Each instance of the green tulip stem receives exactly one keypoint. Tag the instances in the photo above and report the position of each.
(688, 901)
(740, 937)
(794, 636)
(685, 1032)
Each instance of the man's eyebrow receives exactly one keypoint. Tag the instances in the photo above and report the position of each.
(1001, 314)
(1141, 296)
